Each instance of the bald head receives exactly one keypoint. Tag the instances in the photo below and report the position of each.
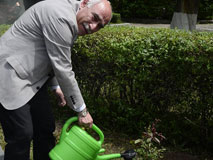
(106, 10)
(93, 15)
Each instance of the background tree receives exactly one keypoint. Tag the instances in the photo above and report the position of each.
(29, 3)
(10, 10)
(1, 154)
(185, 16)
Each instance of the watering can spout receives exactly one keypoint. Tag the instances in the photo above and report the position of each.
(127, 155)
(108, 156)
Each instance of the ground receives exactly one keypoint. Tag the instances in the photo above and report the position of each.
(119, 143)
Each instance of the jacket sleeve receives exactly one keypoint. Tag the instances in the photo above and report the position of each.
(59, 36)
(53, 82)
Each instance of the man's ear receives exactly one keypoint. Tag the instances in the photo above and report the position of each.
(84, 3)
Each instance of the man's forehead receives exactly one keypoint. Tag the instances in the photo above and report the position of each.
(103, 10)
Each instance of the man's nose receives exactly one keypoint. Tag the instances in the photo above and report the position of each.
(94, 27)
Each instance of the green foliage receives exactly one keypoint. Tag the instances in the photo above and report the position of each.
(116, 18)
(205, 10)
(148, 147)
(3, 28)
(129, 76)
(148, 151)
(153, 9)
(132, 75)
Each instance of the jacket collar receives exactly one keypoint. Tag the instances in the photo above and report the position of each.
(76, 4)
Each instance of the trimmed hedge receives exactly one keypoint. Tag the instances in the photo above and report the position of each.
(130, 76)
(3, 28)
(116, 18)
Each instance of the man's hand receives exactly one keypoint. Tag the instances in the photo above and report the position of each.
(86, 121)
(60, 96)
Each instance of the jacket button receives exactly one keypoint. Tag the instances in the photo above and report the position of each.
(38, 88)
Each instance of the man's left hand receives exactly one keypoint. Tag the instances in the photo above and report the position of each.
(61, 100)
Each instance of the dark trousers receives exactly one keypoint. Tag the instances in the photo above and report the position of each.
(33, 121)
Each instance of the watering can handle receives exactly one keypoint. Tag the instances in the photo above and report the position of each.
(73, 119)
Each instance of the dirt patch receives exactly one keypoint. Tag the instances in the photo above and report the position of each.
(179, 156)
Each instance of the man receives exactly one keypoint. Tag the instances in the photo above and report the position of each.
(35, 49)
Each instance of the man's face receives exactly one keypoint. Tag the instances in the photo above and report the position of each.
(92, 19)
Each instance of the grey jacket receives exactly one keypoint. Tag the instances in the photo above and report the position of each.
(38, 43)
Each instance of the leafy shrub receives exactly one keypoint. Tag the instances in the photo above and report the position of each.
(205, 10)
(3, 28)
(148, 147)
(129, 76)
(153, 9)
(116, 18)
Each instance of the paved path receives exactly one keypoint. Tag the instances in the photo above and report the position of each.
(199, 27)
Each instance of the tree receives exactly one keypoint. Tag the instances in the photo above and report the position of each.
(185, 16)
(29, 3)
(10, 10)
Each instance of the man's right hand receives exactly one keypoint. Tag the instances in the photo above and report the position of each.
(85, 121)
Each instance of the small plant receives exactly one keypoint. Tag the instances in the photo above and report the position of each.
(148, 147)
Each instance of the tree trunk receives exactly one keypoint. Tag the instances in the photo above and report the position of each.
(185, 16)
(1, 154)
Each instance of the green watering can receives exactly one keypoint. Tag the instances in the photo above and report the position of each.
(76, 144)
